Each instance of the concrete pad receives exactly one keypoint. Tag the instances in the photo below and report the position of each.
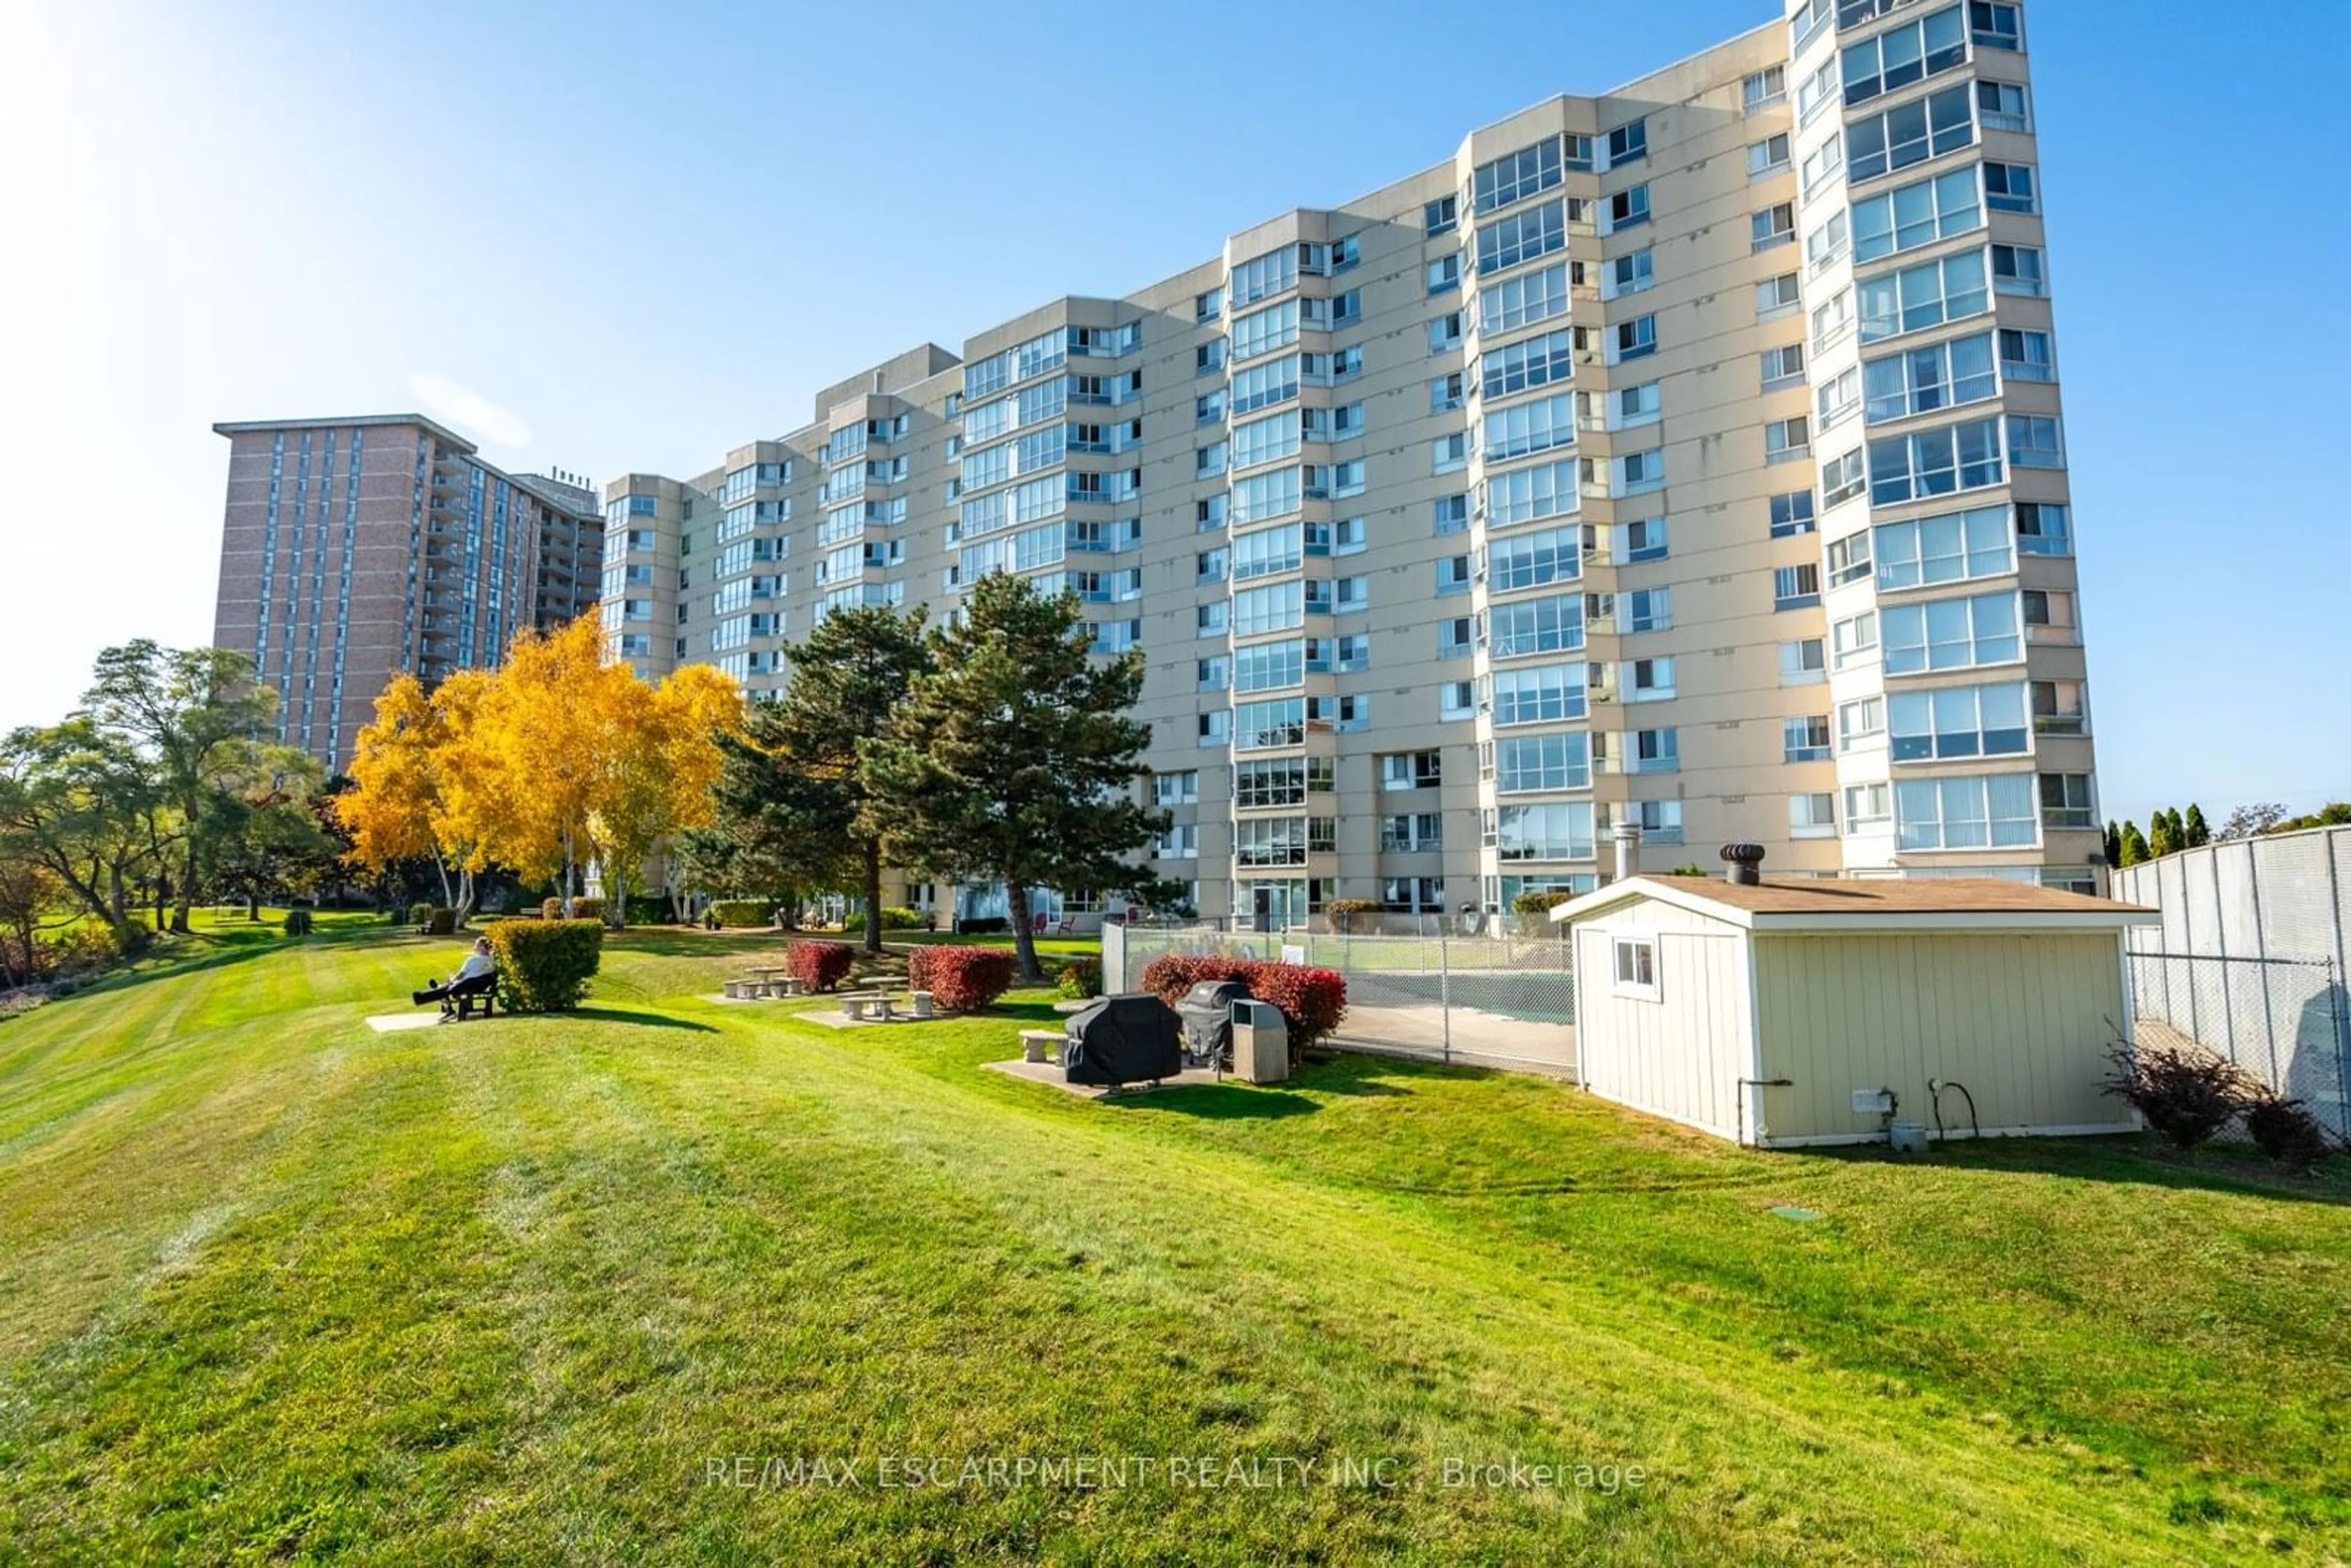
(1049, 1072)
(397, 1023)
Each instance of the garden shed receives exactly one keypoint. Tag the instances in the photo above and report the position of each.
(1790, 1012)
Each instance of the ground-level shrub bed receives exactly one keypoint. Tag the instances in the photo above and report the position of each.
(1312, 1001)
(819, 965)
(733, 911)
(961, 979)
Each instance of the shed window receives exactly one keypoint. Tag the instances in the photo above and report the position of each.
(1637, 967)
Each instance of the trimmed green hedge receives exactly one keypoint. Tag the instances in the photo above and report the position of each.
(544, 965)
(743, 911)
(299, 923)
(896, 917)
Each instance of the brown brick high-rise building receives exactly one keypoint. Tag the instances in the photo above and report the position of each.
(353, 549)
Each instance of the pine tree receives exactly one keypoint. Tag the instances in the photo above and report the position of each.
(793, 792)
(2195, 833)
(2161, 838)
(2114, 843)
(2134, 851)
(1014, 759)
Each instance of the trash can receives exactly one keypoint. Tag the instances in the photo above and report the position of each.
(1260, 1043)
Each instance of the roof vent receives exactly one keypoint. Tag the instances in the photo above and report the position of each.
(1745, 861)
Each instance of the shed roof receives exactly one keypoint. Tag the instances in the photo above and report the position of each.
(1791, 904)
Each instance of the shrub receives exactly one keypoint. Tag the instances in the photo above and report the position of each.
(439, 922)
(743, 911)
(299, 923)
(2186, 1095)
(1344, 911)
(544, 965)
(896, 917)
(1692, 868)
(2287, 1132)
(1538, 903)
(1081, 979)
(84, 949)
(651, 909)
(960, 979)
(420, 913)
(551, 909)
(587, 908)
(985, 926)
(1311, 1000)
(819, 965)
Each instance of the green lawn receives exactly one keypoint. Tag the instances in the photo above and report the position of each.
(275, 1286)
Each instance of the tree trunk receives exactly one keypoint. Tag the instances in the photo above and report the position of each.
(448, 894)
(186, 891)
(252, 904)
(1024, 941)
(873, 898)
(464, 905)
(564, 888)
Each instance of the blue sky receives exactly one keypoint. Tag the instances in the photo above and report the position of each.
(574, 230)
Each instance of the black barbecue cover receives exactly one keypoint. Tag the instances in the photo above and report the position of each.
(1206, 1010)
(1123, 1039)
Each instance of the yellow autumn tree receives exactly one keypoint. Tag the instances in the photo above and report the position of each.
(409, 795)
(570, 757)
(663, 760)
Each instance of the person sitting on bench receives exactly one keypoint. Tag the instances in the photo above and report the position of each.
(476, 976)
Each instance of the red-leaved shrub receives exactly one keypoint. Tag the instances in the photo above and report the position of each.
(819, 965)
(1311, 1000)
(960, 979)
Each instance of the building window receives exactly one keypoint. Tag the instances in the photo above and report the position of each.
(1445, 273)
(1868, 806)
(1854, 642)
(1652, 680)
(1782, 366)
(1777, 297)
(1763, 88)
(1813, 816)
(1787, 440)
(1935, 462)
(1900, 55)
(1928, 295)
(1804, 738)
(1967, 813)
(1637, 967)
(1774, 226)
(1924, 380)
(1768, 156)
(2049, 616)
(1627, 143)
(1843, 477)
(1995, 25)
(1911, 216)
(1860, 722)
(2043, 530)
(2019, 269)
(1625, 209)
(2000, 106)
(1802, 663)
(1950, 633)
(2010, 188)
(1909, 133)
(1442, 216)
(1822, 162)
(1956, 722)
(1955, 546)
(2034, 442)
(1796, 587)
(2060, 707)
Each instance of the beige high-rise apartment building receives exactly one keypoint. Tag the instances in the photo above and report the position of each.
(355, 550)
(1686, 458)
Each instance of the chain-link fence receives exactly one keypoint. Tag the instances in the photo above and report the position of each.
(2249, 960)
(2280, 1020)
(1505, 1000)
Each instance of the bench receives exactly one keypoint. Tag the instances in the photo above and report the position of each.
(922, 1003)
(1040, 1044)
(865, 1005)
(476, 998)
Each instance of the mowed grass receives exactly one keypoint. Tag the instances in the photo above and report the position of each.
(275, 1286)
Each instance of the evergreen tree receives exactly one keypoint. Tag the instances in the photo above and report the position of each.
(2114, 843)
(848, 677)
(2195, 833)
(2134, 850)
(1014, 759)
(2161, 839)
